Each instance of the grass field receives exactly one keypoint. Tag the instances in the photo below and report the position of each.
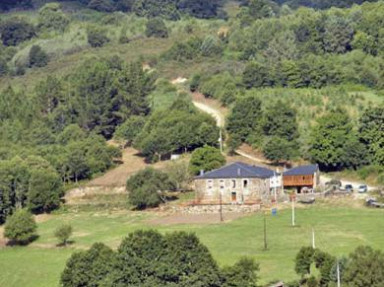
(339, 230)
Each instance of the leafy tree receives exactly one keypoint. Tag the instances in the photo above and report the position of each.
(338, 35)
(365, 268)
(324, 262)
(279, 149)
(16, 30)
(37, 57)
(328, 140)
(62, 233)
(243, 273)
(256, 75)
(97, 37)
(303, 261)
(179, 175)
(280, 120)
(146, 188)
(155, 27)
(206, 158)
(147, 258)
(20, 227)
(371, 130)
(246, 120)
(88, 268)
(52, 18)
(129, 130)
(45, 190)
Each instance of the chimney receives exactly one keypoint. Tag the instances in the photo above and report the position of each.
(201, 171)
(238, 172)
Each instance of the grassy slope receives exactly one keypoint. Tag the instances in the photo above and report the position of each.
(338, 230)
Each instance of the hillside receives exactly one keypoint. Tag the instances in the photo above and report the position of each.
(94, 93)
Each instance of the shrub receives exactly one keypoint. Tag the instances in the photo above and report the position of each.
(156, 28)
(62, 233)
(20, 227)
(52, 18)
(37, 57)
(211, 46)
(97, 37)
(15, 30)
(195, 82)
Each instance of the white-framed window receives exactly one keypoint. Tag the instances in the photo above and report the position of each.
(233, 183)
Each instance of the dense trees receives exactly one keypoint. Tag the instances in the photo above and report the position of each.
(179, 129)
(363, 267)
(206, 159)
(148, 258)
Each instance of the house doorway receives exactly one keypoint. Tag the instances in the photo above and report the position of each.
(234, 196)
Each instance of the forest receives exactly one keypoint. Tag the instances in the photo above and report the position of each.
(300, 83)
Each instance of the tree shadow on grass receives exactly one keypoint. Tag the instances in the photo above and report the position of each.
(12, 243)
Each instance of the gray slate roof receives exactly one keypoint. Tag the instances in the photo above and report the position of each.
(302, 170)
(238, 170)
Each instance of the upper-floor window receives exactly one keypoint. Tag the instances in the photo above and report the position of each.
(222, 184)
(245, 183)
(233, 183)
(210, 184)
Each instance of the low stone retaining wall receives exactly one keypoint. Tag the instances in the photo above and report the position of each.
(213, 209)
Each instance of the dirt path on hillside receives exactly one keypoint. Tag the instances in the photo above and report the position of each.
(114, 180)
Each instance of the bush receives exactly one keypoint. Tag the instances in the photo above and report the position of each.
(62, 233)
(97, 37)
(52, 18)
(156, 28)
(206, 158)
(20, 227)
(195, 83)
(15, 30)
(146, 188)
(37, 57)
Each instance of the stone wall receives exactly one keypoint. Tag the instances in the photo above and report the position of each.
(212, 209)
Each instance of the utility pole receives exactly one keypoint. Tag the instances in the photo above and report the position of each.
(293, 210)
(313, 239)
(265, 232)
(338, 274)
(221, 141)
(221, 206)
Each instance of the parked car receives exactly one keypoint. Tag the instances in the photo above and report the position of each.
(363, 188)
(348, 188)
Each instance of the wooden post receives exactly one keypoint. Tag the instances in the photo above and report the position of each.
(265, 232)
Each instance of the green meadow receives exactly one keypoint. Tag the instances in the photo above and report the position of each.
(338, 230)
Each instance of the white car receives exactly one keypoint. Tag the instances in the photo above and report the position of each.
(362, 188)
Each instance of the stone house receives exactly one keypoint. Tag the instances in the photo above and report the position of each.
(236, 183)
